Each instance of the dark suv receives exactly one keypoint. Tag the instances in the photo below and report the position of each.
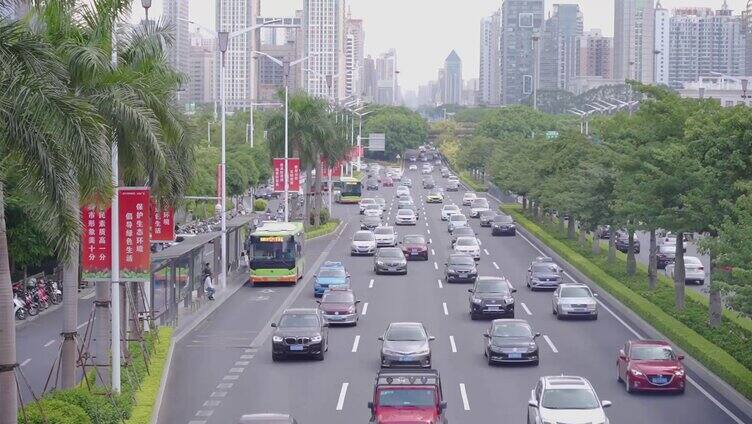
(503, 225)
(460, 268)
(300, 332)
(491, 297)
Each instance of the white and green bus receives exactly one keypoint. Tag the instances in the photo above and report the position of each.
(277, 253)
(350, 190)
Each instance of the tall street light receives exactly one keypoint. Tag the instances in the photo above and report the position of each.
(360, 116)
(286, 73)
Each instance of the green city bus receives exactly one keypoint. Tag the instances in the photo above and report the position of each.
(277, 253)
(349, 190)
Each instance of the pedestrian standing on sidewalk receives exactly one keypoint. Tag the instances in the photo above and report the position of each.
(244, 260)
(208, 283)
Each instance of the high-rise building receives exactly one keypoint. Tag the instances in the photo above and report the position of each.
(324, 41)
(559, 54)
(370, 79)
(595, 54)
(703, 43)
(489, 77)
(284, 43)
(240, 75)
(521, 19)
(386, 88)
(354, 56)
(662, 44)
(747, 21)
(452, 79)
(470, 92)
(179, 52)
(634, 32)
(200, 85)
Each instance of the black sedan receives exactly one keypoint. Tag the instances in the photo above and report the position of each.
(491, 297)
(511, 340)
(503, 225)
(390, 260)
(300, 332)
(370, 223)
(486, 217)
(372, 184)
(460, 268)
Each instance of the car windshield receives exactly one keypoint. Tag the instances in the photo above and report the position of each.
(384, 231)
(298, 320)
(575, 292)
(469, 196)
(569, 399)
(404, 333)
(381, 201)
(464, 232)
(492, 286)
(668, 249)
(467, 241)
(654, 353)
(414, 240)
(487, 214)
(451, 208)
(338, 297)
(363, 237)
(332, 273)
(367, 201)
(407, 397)
(405, 212)
(512, 329)
(480, 203)
(372, 219)
(691, 261)
(545, 269)
(503, 219)
(374, 207)
(391, 253)
(458, 217)
(461, 260)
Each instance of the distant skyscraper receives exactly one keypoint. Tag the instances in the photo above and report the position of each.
(240, 77)
(200, 85)
(595, 54)
(324, 34)
(662, 45)
(489, 77)
(176, 13)
(559, 55)
(453, 79)
(634, 31)
(387, 88)
(521, 19)
(354, 57)
(370, 79)
(284, 44)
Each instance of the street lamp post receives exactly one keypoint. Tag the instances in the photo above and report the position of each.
(536, 69)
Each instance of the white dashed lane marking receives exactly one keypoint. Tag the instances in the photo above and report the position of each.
(25, 362)
(49, 343)
(441, 285)
(453, 344)
(550, 343)
(486, 252)
(370, 284)
(356, 342)
(496, 265)
(527, 311)
(342, 395)
(435, 266)
(446, 311)
(365, 309)
(463, 393)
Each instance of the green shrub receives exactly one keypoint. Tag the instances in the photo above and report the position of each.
(259, 205)
(98, 407)
(725, 350)
(323, 216)
(322, 230)
(52, 411)
(146, 396)
(472, 183)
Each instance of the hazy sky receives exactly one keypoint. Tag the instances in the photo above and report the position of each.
(425, 31)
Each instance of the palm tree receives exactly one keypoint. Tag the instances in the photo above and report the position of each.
(48, 132)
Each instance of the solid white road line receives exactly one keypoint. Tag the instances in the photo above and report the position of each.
(486, 252)
(441, 285)
(370, 284)
(496, 265)
(49, 343)
(82, 325)
(446, 311)
(550, 344)
(342, 394)
(463, 393)
(365, 309)
(435, 266)
(527, 311)
(454, 345)
(25, 362)
(356, 342)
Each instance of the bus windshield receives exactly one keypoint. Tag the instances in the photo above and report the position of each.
(278, 249)
(351, 189)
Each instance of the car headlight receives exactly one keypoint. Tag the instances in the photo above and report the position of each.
(316, 338)
(422, 352)
(679, 373)
(477, 301)
(636, 372)
(451, 272)
(277, 339)
(380, 263)
(509, 300)
(532, 346)
(591, 307)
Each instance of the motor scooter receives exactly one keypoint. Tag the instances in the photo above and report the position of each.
(53, 291)
(18, 308)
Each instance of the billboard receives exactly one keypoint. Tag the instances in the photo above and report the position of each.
(376, 142)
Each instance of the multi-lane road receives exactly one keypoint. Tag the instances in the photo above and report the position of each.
(224, 369)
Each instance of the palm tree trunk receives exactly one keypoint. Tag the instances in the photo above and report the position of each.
(317, 195)
(101, 333)
(631, 260)
(611, 244)
(653, 261)
(70, 311)
(8, 390)
(679, 284)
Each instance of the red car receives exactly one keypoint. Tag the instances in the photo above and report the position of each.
(387, 182)
(338, 306)
(410, 396)
(414, 246)
(650, 365)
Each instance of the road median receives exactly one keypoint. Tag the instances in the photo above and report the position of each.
(724, 353)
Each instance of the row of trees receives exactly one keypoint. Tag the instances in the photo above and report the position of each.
(63, 105)
(675, 164)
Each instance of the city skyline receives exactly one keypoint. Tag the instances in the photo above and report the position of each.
(390, 24)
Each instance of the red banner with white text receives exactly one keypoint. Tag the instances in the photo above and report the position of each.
(293, 171)
(135, 244)
(96, 243)
(162, 223)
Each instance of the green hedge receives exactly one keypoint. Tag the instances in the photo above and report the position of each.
(146, 396)
(259, 205)
(725, 351)
(322, 229)
(52, 411)
(471, 182)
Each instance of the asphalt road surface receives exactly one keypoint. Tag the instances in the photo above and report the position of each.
(224, 369)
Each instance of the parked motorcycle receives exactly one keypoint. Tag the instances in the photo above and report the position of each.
(39, 294)
(31, 306)
(18, 308)
(53, 291)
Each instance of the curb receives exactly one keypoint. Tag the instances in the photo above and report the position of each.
(329, 233)
(708, 377)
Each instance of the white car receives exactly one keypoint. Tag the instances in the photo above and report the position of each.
(363, 243)
(447, 210)
(405, 217)
(385, 236)
(381, 202)
(694, 270)
(468, 246)
(365, 201)
(373, 209)
(574, 300)
(402, 191)
(565, 399)
(467, 198)
(427, 170)
(477, 206)
(457, 220)
(413, 167)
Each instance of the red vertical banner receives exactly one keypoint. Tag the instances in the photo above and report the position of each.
(162, 223)
(135, 245)
(293, 171)
(279, 174)
(337, 170)
(293, 168)
(96, 243)
(220, 172)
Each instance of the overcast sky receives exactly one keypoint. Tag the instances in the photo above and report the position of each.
(425, 31)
